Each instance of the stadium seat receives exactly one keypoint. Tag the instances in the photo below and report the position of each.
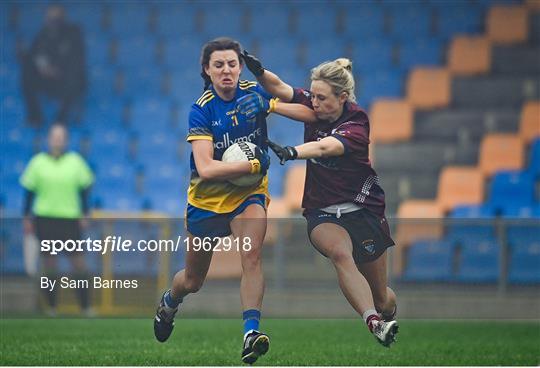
(457, 18)
(429, 261)
(469, 55)
(324, 17)
(524, 267)
(429, 88)
(420, 52)
(479, 261)
(523, 231)
(532, 5)
(409, 22)
(534, 158)
(325, 49)
(379, 83)
(529, 124)
(232, 22)
(270, 22)
(459, 185)
(143, 82)
(514, 188)
(391, 121)
(294, 186)
(418, 220)
(102, 83)
(88, 15)
(507, 24)
(175, 22)
(288, 56)
(500, 151)
(521, 211)
(470, 223)
(372, 54)
(128, 19)
(362, 20)
(136, 52)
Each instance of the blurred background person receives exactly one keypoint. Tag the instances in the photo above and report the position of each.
(54, 66)
(57, 184)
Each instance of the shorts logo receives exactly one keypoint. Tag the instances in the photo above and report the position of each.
(324, 215)
(369, 246)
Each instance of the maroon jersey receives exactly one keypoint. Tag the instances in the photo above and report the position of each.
(346, 178)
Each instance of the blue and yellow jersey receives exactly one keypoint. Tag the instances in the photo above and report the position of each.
(214, 119)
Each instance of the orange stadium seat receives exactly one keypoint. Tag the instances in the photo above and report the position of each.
(391, 121)
(500, 151)
(469, 55)
(294, 187)
(507, 24)
(529, 126)
(418, 219)
(460, 185)
(429, 88)
(533, 5)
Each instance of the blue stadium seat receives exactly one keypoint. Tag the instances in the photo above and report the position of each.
(172, 203)
(410, 20)
(285, 131)
(325, 19)
(31, 19)
(13, 113)
(479, 261)
(142, 82)
(459, 18)
(362, 20)
(322, 50)
(429, 261)
(523, 231)
(521, 211)
(129, 19)
(534, 159)
(187, 87)
(510, 189)
(379, 83)
(471, 222)
(97, 49)
(173, 22)
(101, 83)
(269, 23)
(372, 54)
(524, 265)
(286, 58)
(182, 54)
(224, 21)
(150, 115)
(104, 112)
(420, 52)
(136, 52)
(11, 248)
(88, 15)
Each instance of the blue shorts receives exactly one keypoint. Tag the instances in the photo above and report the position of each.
(203, 223)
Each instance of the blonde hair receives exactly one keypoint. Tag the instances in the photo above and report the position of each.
(338, 74)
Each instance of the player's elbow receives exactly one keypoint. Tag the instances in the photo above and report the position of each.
(205, 173)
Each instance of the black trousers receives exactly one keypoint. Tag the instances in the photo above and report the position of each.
(65, 89)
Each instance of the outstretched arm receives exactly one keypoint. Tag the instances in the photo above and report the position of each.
(268, 80)
(326, 147)
(294, 111)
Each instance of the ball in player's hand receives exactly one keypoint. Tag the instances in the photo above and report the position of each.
(242, 151)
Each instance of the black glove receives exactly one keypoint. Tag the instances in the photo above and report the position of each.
(253, 64)
(283, 153)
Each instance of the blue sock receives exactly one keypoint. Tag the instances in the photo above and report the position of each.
(171, 303)
(251, 319)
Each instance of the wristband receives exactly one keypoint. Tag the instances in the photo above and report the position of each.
(273, 102)
(255, 166)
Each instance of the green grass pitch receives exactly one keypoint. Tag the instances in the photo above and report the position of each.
(292, 342)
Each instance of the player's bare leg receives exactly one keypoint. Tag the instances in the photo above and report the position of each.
(251, 223)
(185, 282)
(334, 242)
(376, 274)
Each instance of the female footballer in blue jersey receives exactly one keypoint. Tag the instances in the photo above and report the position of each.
(216, 208)
(344, 204)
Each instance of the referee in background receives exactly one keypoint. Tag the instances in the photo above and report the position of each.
(56, 187)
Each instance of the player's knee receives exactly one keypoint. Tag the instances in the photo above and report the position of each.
(251, 260)
(341, 256)
(193, 284)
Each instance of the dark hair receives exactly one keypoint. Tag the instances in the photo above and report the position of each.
(219, 44)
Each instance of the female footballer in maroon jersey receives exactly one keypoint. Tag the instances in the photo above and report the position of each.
(344, 204)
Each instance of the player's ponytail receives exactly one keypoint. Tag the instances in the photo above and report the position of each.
(219, 44)
(338, 74)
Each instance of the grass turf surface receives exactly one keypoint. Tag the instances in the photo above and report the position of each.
(293, 342)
